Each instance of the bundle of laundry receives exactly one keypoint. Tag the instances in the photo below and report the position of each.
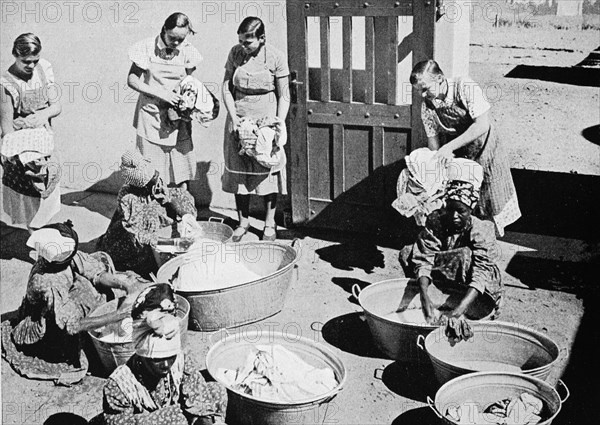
(197, 103)
(26, 156)
(262, 139)
(274, 373)
(28, 145)
(420, 186)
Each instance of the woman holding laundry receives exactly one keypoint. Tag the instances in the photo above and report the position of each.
(30, 181)
(255, 88)
(158, 66)
(457, 122)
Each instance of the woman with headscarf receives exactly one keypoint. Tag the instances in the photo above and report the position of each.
(158, 66)
(457, 122)
(455, 249)
(144, 206)
(64, 286)
(30, 182)
(157, 385)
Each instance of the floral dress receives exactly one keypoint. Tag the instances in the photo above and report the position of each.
(459, 260)
(129, 400)
(133, 230)
(43, 343)
(450, 118)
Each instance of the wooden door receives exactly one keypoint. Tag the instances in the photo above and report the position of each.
(349, 128)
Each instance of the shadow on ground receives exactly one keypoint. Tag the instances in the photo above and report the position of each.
(414, 381)
(565, 75)
(347, 283)
(353, 255)
(417, 416)
(557, 204)
(13, 244)
(554, 275)
(350, 333)
(592, 134)
(581, 374)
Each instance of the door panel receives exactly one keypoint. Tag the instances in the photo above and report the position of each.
(352, 116)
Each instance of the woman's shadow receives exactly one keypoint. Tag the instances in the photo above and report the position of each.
(14, 244)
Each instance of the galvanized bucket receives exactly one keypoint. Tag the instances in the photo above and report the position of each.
(246, 302)
(232, 352)
(213, 230)
(482, 389)
(113, 354)
(495, 346)
(394, 338)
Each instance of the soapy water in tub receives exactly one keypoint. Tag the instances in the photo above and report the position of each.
(207, 273)
(413, 315)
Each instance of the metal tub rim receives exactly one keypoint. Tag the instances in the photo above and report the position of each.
(245, 285)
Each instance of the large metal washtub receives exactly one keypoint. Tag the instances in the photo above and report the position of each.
(245, 303)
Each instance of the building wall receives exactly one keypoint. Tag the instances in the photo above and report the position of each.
(87, 43)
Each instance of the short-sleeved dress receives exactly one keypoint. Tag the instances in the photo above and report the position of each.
(253, 81)
(168, 144)
(23, 203)
(451, 117)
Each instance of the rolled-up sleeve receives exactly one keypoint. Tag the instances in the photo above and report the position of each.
(424, 250)
(483, 245)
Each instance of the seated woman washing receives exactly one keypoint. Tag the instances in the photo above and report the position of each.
(454, 250)
(157, 385)
(64, 286)
(144, 206)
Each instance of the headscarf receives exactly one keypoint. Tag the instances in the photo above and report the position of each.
(57, 249)
(156, 332)
(465, 178)
(136, 169)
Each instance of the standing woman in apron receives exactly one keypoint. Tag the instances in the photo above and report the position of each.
(256, 85)
(30, 191)
(159, 63)
(457, 123)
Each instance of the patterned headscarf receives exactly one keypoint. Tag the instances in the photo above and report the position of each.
(136, 169)
(465, 178)
(462, 191)
(156, 332)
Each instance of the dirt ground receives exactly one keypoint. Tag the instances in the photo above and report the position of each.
(548, 279)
